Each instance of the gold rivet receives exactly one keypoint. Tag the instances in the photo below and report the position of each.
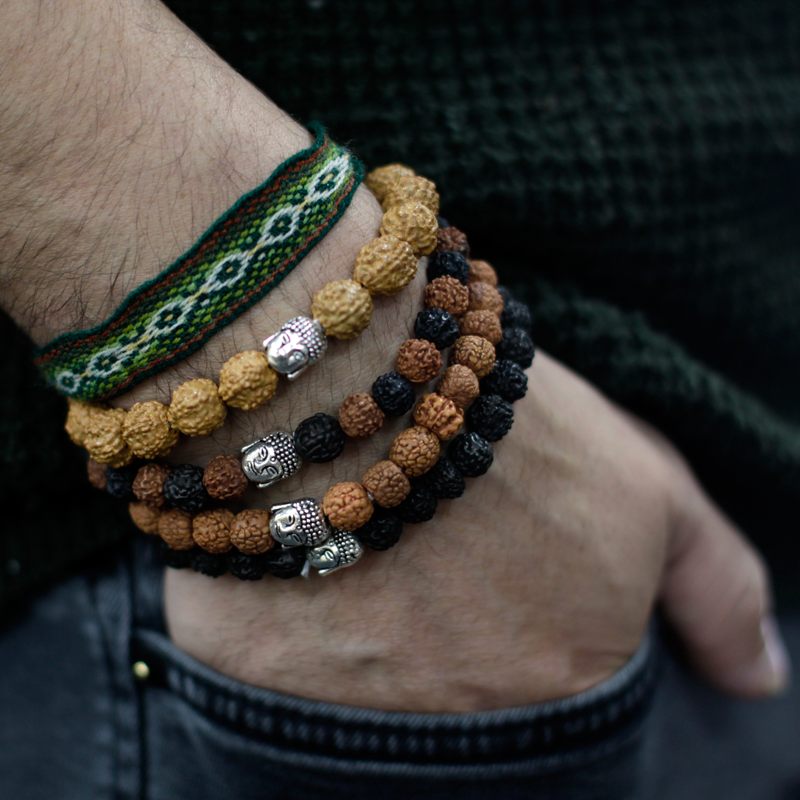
(141, 670)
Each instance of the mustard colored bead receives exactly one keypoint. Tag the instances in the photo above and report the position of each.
(481, 272)
(196, 408)
(474, 352)
(439, 414)
(387, 483)
(347, 505)
(385, 265)
(413, 223)
(415, 450)
(78, 416)
(343, 308)
(103, 438)
(460, 384)
(412, 187)
(144, 517)
(211, 530)
(380, 179)
(247, 381)
(147, 431)
(175, 528)
(250, 531)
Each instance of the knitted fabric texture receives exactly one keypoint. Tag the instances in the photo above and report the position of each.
(241, 257)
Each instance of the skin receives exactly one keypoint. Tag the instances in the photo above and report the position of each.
(122, 137)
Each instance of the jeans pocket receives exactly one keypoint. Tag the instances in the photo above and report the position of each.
(207, 735)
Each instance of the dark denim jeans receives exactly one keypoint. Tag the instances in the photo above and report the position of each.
(76, 723)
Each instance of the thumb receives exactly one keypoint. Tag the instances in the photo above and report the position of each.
(716, 594)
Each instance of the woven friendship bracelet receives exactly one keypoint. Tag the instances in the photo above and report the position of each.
(241, 256)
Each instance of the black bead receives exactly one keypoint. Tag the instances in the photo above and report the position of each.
(517, 314)
(442, 222)
(183, 488)
(393, 393)
(505, 293)
(490, 416)
(516, 345)
(285, 562)
(247, 567)
(211, 564)
(119, 482)
(471, 454)
(177, 559)
(437, 326)
(419, 505)
(319, 438)
(448, 263)
(507, 379)
(444, 480)
(382, 531)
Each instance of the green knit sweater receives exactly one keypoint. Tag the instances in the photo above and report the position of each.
(633, 167)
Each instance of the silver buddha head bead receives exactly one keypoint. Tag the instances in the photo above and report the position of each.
(341, 550)
(297, 345)
(270, 459)
(300, 523)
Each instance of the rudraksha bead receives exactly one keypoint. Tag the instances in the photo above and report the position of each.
(246, 567)
(285, 562)
(319, 438)
(387, 483)
(211, 530)
(491, 417)
(516, 345)
(382, 531)
(183, 488)
(437, 326)
(474, 352)
(78, 415)
(482, 271)
(471, 454)
(447, 293)
(516, 314)
(413, 223)
(96, 473)
(247, 381)
(452, 264)
(147, 431)
(250, 531)
(460, 384)
(119, 482)
(103, 439)
(343, 308)
(415, 450)
(439, 414)
(419, 506)
(360, 415)
(144, 517)
(393, 393)
(381, 179)
(175, 528)
(483, 296)
(418, 360)
(196, 408)
(450, 238)
(507, 379)
(482, 323)
(385, 265)
(444, 480)
(148, 485)
(409, 188)
(224, 479)
(347, 505)
(211, 564)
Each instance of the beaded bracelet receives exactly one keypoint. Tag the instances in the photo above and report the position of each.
(341, 309)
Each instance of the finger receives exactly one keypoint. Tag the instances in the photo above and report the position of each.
(716, 594)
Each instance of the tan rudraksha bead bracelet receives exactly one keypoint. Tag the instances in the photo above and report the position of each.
(341, 309)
